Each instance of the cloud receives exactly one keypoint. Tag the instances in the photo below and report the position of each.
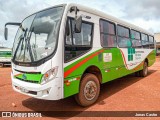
(146, 9)
(16, 11)
(143, 13)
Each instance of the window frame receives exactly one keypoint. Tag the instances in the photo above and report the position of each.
(144, 34)
(136, 31)
(40, 62)
(92, 33)
(153, 43)
(124, 36)
(114, 35)
(136, 39)
(65, 45)
(123, 27)
(145, 40)
(152, 37)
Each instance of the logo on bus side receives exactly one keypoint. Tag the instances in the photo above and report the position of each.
(131, 52)
(137, 53)
(107, 57)
(24, 77)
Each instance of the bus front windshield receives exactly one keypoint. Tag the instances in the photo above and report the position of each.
(37, 36)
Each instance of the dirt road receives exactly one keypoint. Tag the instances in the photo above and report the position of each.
(129, 93)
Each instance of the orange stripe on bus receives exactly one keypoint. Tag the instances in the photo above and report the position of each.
(68, 72)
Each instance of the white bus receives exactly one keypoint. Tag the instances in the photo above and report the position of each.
(70, 50)
(5, 56)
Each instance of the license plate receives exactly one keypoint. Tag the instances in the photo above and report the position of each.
(23, 89)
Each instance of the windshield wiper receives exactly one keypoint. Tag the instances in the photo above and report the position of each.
(28, 45)
(21, 40)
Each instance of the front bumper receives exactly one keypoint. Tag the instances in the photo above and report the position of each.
(53, 90)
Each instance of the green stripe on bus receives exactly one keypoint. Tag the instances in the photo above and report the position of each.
(109, 70)
(29, 77)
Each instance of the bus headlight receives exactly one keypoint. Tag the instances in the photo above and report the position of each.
(49, 75)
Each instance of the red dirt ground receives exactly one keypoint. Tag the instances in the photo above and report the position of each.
(125, 94)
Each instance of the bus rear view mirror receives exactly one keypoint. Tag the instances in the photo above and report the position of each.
(6, 33)
(78, 24)
(6, 29)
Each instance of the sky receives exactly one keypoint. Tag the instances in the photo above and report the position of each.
(143, 13)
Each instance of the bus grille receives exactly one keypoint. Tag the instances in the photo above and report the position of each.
(30, 81)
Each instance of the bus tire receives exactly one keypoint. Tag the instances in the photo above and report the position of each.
(144, 71)
(89, 90)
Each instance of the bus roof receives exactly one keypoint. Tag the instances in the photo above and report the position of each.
(108, 17)
(103, 15)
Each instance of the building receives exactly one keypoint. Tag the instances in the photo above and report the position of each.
(157, 38)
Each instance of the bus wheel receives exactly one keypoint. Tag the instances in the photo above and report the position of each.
(89, 90)
(144, 71)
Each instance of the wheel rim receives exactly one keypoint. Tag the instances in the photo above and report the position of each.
(90, 90)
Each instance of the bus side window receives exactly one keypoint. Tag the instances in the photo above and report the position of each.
(107, 34)
(83, 38)
(145, 42)
(151, 42)
(123, 37)
(77, 44)
(136, 39)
